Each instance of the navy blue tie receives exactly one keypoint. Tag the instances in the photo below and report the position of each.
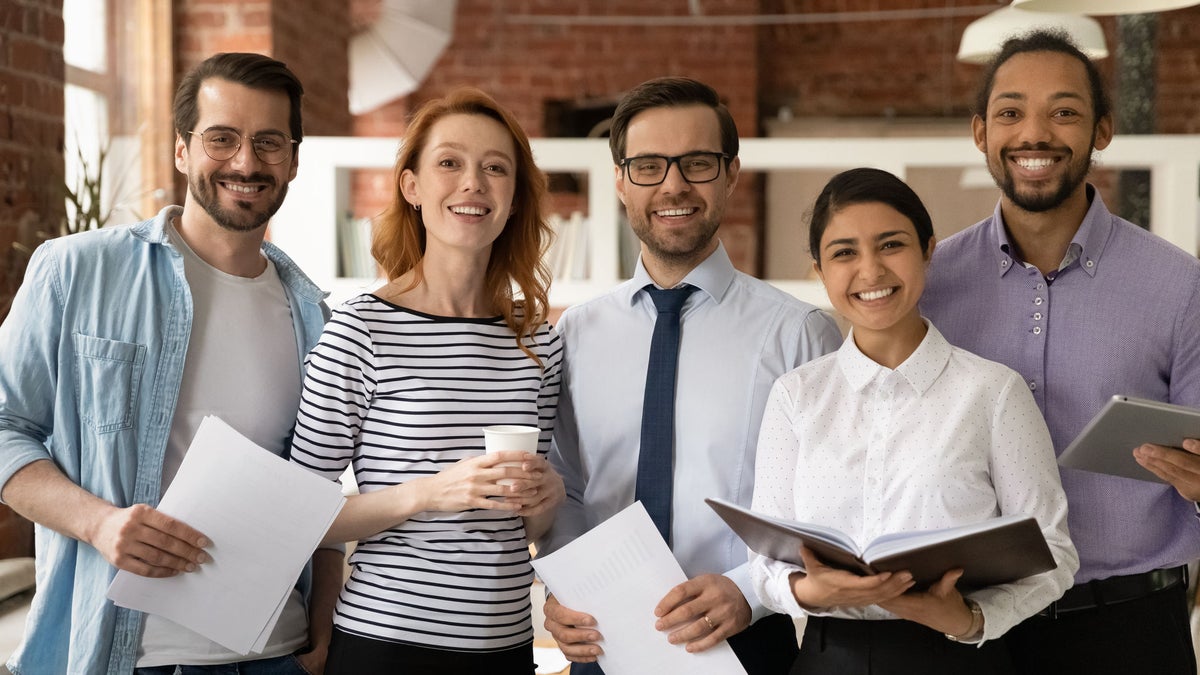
(655, 474)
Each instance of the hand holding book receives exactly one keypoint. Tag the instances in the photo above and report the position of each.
(993, 552)
(821, 586)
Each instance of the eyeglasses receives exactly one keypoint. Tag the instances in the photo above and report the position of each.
(695, 167)
(222, 144)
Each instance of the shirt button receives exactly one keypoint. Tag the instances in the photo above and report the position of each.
(1090, 263)
(1037, 330)
(1004, 263)
(1037, 316)
(1040, 286)
(1037, 301)
(1033, 386)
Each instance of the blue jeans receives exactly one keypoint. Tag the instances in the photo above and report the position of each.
(280, 665)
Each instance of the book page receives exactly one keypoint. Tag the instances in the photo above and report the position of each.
(896, 542)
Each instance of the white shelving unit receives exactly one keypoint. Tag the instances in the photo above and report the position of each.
(306, 225)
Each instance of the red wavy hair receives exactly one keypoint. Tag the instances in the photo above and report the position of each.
(517, 259)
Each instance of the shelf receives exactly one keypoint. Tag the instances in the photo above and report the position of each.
(319, 197)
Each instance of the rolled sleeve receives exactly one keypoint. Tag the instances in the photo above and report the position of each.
(29, 346)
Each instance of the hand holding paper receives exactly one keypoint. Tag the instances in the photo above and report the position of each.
(617, 573)
(265, 518)
(148, 542)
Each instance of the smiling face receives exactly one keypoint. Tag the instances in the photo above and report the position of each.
(464, 182)
(239, 194)
(1040, 130)
(874, 270)
(676, 221)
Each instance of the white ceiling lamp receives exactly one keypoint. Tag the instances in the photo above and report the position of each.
(982, 38)
(1104, 7)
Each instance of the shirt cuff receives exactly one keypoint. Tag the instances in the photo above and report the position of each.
(740, 575)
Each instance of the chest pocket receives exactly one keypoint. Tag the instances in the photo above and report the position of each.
(108, 374)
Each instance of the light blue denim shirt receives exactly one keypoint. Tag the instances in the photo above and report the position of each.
(91, 357)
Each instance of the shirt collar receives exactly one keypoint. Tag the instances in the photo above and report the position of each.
(154, 230)
(921, 369)
(1087, 246)
(713, 276)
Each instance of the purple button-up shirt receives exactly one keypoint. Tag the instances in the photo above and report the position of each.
(1122, 318)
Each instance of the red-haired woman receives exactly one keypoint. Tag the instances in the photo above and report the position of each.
(401, 384)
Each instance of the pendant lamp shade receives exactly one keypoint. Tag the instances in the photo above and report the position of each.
(983, 37)
(1104, 7)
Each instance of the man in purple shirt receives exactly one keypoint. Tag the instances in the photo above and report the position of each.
(1084, 305)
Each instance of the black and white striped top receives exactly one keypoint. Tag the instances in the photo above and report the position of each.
(400, 395)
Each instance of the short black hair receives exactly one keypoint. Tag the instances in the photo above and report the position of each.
(670, 92)
(252, 70)
(866, 186)
(1044, 40)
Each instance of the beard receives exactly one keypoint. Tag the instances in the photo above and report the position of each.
(675, 246)
(243, 217)
(1043, 200)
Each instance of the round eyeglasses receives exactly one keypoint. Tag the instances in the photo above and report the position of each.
(695, 167)
(222, 144)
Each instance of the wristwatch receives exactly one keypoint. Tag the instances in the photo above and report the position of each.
(976, 628)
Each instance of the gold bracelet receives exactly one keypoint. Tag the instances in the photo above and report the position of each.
(976, 623)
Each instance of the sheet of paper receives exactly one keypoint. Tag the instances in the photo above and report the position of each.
(618, 572)
(265, 517)
(549, 660)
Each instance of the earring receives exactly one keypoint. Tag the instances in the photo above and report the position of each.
(417, 207)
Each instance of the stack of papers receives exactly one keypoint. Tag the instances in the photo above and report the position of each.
(264, 515)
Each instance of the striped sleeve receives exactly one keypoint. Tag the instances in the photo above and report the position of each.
(339, 384)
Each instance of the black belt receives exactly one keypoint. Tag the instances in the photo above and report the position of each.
(1115, 590)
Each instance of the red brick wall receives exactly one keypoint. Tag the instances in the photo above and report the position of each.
(31, 131)
(31, 142)
(524, 64)
(1178, 83)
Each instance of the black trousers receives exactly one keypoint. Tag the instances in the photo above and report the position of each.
(351, 654)
(767, 647)
(850, 647)
(1147, 635)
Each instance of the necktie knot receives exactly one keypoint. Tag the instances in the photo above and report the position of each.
(669, 300)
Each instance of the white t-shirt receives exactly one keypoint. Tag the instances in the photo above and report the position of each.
(243, 366)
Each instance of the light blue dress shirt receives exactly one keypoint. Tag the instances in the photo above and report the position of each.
(91, 358)
(738, 334)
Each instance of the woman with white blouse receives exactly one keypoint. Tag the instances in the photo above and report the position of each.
(899, 431)
(400, 386)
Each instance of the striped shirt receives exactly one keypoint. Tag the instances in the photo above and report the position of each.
(398, 395)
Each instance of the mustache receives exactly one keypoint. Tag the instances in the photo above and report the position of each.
(233, 177)
(1037, 147)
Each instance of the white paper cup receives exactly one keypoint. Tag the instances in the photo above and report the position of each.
(501, 437)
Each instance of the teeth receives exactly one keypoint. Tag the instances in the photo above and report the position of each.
(247, 189)
(1034, 163)
(875, 295)
(469, 210)
(676, 212)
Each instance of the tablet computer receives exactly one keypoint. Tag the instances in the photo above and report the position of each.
(1106, 444)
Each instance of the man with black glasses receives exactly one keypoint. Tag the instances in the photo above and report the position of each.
(119, 342)
(666, 377)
